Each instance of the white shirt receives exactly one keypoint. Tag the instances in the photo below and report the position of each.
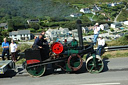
(96, 30)
(13, 47)
(101, 41)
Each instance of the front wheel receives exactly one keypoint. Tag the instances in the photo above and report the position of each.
(94, 65)
(36, 71)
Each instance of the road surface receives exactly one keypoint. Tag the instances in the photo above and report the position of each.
(115, 73)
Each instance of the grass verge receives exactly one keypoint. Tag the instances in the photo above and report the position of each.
(115, 54)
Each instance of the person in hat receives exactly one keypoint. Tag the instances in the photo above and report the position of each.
(96, 32)
(101, 43)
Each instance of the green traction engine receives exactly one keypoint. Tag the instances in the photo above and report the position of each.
(67, 56)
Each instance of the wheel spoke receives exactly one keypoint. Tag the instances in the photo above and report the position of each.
(91, 64)
(91, 68)
(100, 64)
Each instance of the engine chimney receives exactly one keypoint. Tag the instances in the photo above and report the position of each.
(79, 28)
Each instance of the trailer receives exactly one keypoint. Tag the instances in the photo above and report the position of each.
(6, 65)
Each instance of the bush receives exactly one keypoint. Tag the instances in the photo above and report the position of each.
(120, 41)
(21, 61)
(34, 25)
(1, 39)
(32, 30)
(4, 33)
(23, 47)
(111, 29)
(39, 30)
(70, 25)
(1, 49)
(103, 31)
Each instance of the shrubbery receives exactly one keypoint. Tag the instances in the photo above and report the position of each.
(120, 41)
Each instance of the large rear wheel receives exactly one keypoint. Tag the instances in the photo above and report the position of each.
(75, 62)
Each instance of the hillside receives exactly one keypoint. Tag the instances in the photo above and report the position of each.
(33, 8)
(87, 1)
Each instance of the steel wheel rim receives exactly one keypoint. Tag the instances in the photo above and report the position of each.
(91, 67)
(36, 71)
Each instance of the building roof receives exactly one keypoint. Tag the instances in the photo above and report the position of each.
(24, 32)
(19, 32)
(76, 14)
(96, 8)
(3, 24)
(117, 23)
(85, 9)
(33, 20)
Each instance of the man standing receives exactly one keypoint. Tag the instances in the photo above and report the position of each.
(96, 32)
(13, 47)
(45, 44)
(38, 44)
(5, 46)
(44, 39)
(101, 43)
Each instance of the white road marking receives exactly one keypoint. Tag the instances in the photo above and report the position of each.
(103, 84)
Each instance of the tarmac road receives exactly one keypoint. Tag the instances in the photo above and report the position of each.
(115, 73)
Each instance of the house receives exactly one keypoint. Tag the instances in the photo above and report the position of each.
(116, 25)
(21, 35)
(60, 32)
(85, 29)
(76, 15)
(104, 26)
(112, 4)
(125, 22)
(95, 9)
(85, 10)
(64, 31)
(33, 21)
(4, 25)
(52, 33)
(75, 33)
(103, 14)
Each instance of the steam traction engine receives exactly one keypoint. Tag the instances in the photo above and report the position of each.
(67, 56)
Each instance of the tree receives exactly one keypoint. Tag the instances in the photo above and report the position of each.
(32, 30)
(34, 25)
(70, 25)
(1, 39)
(124, 2)
(101, 17)
(40, 30)
(10, 29)
(127, 5)
(4, 33)
(85, 19)
(10, 25)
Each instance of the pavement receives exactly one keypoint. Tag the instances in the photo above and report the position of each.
(118, 63)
